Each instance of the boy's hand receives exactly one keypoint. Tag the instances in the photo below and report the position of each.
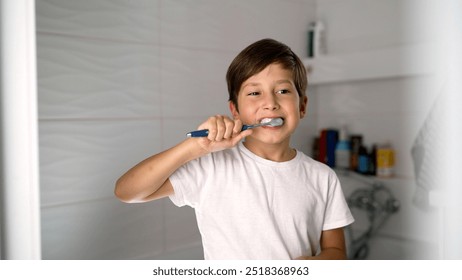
(224, 133)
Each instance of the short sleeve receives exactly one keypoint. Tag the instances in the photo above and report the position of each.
(337, 213)
(188, 182)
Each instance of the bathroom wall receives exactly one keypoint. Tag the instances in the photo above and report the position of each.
(119, 81)
(392, 109)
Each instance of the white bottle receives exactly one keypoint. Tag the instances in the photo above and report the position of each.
(342, 151)
(316, 39)
(319, 39)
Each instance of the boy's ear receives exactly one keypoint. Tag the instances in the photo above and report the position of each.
(234, 110)
(303, 106)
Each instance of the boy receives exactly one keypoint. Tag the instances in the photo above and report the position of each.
(256, 199)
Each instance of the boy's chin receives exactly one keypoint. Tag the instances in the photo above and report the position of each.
(268, 139)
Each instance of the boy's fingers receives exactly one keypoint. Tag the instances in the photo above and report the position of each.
(241, 136)
(210, 124)
(229, 126)
(237, 127)
(221, 128)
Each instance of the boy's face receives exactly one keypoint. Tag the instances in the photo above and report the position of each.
(270, 93)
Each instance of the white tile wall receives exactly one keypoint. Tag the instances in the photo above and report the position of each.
(232, 25)
(121, 80)
(102, 229)
(102, 19)
(189, 87)
(80, 160)
(181, 232)
(77, 76)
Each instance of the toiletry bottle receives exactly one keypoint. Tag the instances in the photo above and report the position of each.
(331, 144)
(363, 160)
(319, 39)
(385, 161)
(355, 142)
(316, 39)
(342, 151)
(310, 40)
(373, 160)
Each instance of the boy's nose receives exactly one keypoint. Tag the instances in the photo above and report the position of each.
(270, 102)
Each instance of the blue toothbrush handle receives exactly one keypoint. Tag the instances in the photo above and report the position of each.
(198, 133)
(205, 132)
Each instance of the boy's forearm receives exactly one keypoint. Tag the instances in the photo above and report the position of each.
(141, 183)
(332, 246)
(148, 176)
(327, 254)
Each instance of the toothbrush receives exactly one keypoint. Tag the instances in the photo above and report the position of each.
(271, 122)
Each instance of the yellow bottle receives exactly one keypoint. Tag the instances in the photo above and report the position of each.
(385, 161)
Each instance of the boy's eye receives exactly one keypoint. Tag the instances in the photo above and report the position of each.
(254, 93)
(283, 91)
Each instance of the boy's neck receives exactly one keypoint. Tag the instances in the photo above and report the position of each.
(275, 152)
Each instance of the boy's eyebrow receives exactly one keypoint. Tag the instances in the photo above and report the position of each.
(278, 82)
(283, 81)
(250, 84)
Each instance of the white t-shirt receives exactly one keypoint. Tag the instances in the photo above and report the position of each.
(248, 207)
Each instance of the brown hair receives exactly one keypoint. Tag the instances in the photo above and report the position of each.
(256, 57)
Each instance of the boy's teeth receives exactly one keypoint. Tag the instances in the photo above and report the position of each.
(265, 120)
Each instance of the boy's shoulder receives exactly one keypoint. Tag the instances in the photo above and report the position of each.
(316, 165)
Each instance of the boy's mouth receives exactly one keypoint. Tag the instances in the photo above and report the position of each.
(276, 121)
